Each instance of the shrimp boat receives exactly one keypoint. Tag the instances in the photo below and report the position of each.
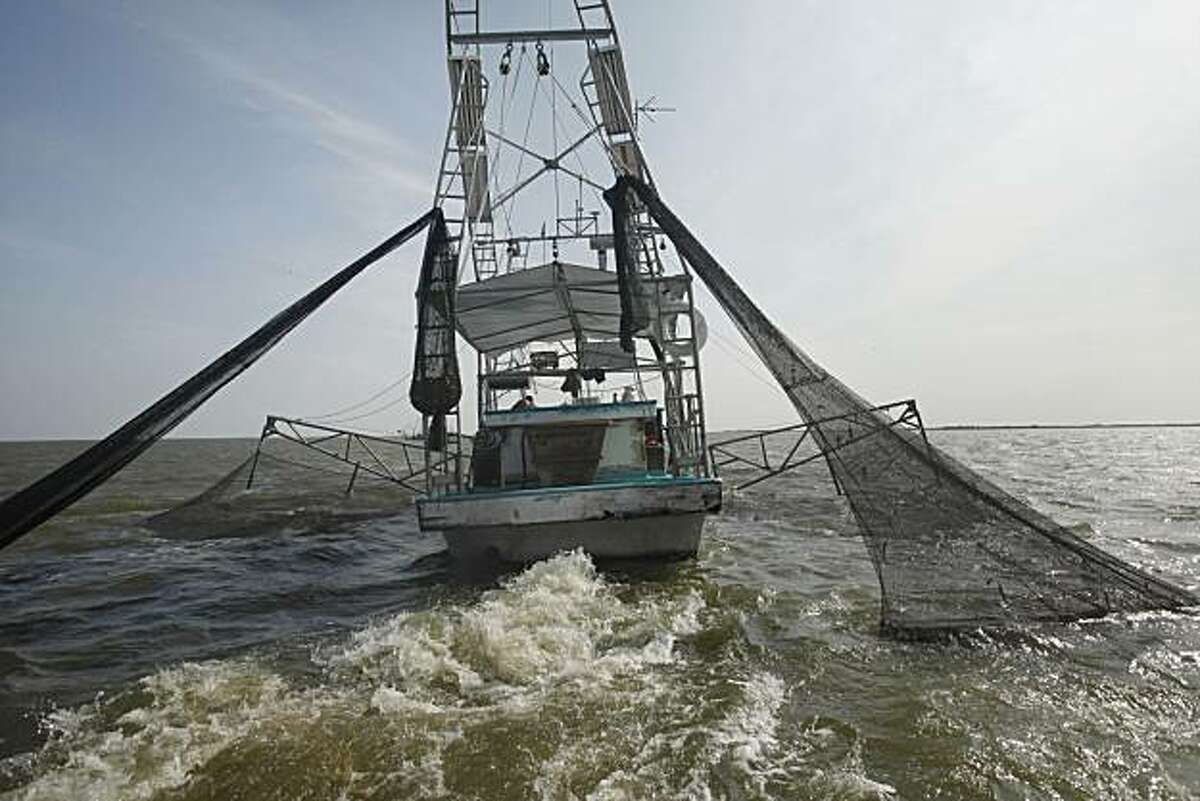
(588, 395)
(589, 409)
(591, 429)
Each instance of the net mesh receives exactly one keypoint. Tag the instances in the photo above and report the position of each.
(634, 314)
(283, 487)
(436, 385)
(951, 549)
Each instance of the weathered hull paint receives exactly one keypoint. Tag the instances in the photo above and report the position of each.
(672, 536)
(616, 522)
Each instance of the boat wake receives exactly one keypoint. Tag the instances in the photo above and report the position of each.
(559, 683)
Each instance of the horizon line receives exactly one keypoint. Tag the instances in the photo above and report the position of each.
(946, 427)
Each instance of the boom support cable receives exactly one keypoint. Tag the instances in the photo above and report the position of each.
(952, 550)
(49, 495)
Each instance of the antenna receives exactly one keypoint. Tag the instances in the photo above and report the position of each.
(648, 108)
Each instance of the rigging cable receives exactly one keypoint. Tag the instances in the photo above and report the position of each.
(334, 415)
(505, 69)
(512, 201)
(729, 348)
(389, 405)
(554, 144)
(587, 126)
(508, 99)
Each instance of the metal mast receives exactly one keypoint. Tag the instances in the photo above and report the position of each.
(472, 194)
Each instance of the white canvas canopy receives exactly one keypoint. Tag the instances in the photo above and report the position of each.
(542, 304)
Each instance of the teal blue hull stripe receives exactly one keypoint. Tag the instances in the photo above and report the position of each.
(648, 481)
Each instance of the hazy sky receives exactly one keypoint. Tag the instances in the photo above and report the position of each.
(993, 207)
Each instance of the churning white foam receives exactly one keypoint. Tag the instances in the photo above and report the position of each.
(564, 684)
(419, 681)
(748, 731)
(556, 622)
(192, 712)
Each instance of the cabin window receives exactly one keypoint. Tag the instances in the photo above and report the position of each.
(563, 453)
(566, 454)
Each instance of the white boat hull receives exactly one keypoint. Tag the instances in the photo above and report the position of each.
(620, 521)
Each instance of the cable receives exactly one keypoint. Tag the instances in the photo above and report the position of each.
(731, 349)
(512, 207)
(360, 404)
(576, 153)
(505, 107)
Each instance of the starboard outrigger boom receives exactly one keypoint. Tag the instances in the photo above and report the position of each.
(951, 549)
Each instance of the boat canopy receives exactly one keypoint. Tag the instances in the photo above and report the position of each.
(547, 303)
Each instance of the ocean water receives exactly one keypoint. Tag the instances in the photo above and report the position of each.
(290, 643)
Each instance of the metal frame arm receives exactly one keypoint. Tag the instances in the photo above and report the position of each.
(720, 454)
(548, 164)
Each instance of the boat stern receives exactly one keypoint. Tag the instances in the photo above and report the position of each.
(661, 516)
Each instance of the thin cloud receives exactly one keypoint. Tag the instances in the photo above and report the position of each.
(26, 245)
(375, 152)
(360, 142)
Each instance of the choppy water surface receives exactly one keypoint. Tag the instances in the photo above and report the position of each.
(321, 648)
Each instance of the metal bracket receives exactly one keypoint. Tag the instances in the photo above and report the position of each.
(720, 454)
(359, 451)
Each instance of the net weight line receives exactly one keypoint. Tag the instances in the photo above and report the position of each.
(49, 495)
